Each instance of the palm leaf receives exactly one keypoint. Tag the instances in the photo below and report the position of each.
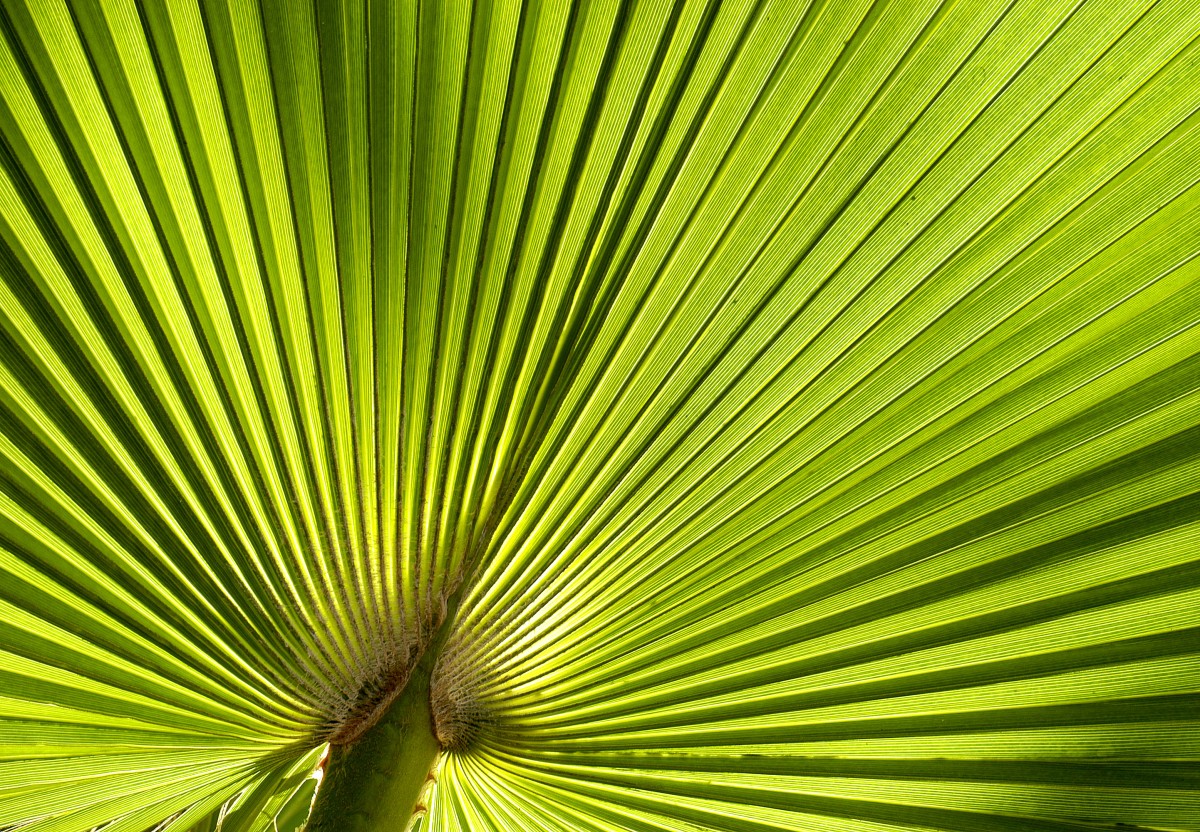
(766, 415)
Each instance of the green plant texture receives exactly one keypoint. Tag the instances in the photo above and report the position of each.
(599, 415)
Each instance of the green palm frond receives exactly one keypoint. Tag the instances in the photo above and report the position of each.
(751, 415)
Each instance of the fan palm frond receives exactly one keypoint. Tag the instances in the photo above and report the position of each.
(589, 416)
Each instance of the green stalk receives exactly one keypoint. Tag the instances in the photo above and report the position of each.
(375, 782)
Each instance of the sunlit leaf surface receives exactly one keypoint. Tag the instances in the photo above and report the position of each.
(804, 396)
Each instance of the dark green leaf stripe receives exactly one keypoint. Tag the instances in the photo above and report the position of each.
(780, 415)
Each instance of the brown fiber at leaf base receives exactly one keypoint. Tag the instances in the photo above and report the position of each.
(371, 709)
(459, 717)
